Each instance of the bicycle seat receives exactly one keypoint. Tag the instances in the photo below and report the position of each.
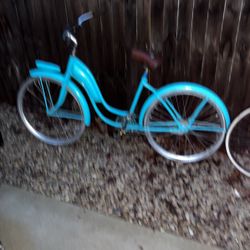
(145, 58)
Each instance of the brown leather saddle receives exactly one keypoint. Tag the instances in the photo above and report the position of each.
(145, 58)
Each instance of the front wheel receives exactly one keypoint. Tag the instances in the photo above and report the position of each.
(65, 127)
(171, 132)
(238, 142)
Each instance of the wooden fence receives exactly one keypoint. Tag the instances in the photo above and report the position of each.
(205, 41)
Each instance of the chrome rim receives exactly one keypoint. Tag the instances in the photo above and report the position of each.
(238, 142)
(32, 110)
(190, 146)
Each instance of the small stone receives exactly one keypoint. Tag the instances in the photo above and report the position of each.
(117, 177)
(191, 232)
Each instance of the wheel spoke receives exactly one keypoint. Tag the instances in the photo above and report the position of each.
(56, 130)
(33, 94)
(192, 147)
(207, 127)
(201, 139)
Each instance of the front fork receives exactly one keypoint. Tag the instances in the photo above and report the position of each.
(52, 108)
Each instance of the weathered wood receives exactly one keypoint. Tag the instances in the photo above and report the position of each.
(239, 80)
(183, 39)
(130, 41)
(156, 38)
(205, 41)
(169, 40)
(199, 31)
(95, 37)
(212, 41)
(226, 47)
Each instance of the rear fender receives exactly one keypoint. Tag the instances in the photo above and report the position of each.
(185, 87)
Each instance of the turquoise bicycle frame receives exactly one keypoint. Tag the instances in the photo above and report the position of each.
(78, 71)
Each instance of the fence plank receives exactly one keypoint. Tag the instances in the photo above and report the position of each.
(47, 12)
(156, 38)
(61, 21)
(183, 37)
(10, 45)
(121, 54)
(130, 31)
(239, 82)
(226, 47)
(205, 41)
(198, 38)
(95, 36)
(169, 42)
(26, 31)
(212, 41)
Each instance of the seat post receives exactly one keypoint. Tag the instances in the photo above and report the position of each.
(146, 72)
(73, 53)
(143, 82)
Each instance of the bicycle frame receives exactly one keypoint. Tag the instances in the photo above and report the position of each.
(77, 70)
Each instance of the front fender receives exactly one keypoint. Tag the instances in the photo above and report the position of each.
(40, 73)
(185, 87)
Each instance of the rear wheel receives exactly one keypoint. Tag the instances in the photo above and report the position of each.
(54, 130)
(238, 142)
(190, 145)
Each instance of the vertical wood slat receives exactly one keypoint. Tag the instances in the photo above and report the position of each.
(121, 53)
(176, 36)
(88, 32)
(107, 82)
(156, 38)
(212, 41)
(240, 64)
(61, 21)
(169, 32)
(226, 45)
(205, 41)
(130, 41)
(119, 34)
(183, 37)
(198, 39)
(10, 46)
(190, 38)
(38, 40)
(107, 35)
(228, 85)
(56, 22)
(26, 31)
(94, 26)
(46, 16)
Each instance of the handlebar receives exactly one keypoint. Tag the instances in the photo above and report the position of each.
(69, 33)
(84, 17)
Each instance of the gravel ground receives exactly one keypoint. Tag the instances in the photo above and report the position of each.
(125, 178)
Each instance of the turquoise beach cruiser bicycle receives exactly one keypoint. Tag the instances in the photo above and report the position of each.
(182, 121)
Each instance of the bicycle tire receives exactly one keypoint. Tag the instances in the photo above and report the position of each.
(178, 156)
(35, 122)
(234, 144)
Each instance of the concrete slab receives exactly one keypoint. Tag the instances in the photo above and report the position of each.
(32, 222)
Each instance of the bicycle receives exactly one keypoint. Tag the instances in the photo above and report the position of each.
(182, 121)
(238, 142)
